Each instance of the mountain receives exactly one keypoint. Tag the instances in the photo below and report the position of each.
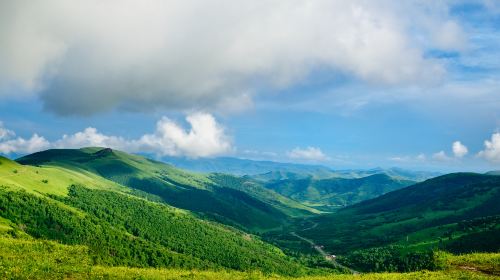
(102, 213)
(328, 194)
(118, 225)
(493, 172)
(395, 172)
(186, 190)
(237, 166)
(270, 170)
(457, 212)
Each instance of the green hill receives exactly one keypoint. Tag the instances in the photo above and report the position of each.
(50, 179)
(455, 212)
(120, 229)
(28, 259)
(191, 191)
(328, 194)
(112, 216)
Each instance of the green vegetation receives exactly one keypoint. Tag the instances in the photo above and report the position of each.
(128, 231)
(29, 259)
(99, 213)
(30, 178)
(333, 193)
(456, 212)
(390, 259)
(191, 191)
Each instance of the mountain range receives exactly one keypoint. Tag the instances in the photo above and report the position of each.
(130, 211)
(266, 170)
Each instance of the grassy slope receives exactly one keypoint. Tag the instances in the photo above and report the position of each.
(196, 192)
(439, 212)
(123, 230)
(24, 259)
(46, 209)
(49, 179)
(336, 192)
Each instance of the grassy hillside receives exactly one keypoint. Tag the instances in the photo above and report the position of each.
(257, 189)
(191, 191)
(122, 230)
(26, 259)
(328, 194)
(111, 210)
(50, 179)
(456, 212)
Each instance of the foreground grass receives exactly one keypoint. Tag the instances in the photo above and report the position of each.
(133, 273)
(27, 259)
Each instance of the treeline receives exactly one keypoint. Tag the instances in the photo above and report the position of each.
(127, 231)
(43, 218)
(390, 259)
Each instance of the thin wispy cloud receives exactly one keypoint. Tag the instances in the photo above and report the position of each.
(307, 154)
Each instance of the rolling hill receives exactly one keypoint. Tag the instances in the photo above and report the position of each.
(443, 212)
(334, 193)
(112, 214)
(195, 192)
(123, 227)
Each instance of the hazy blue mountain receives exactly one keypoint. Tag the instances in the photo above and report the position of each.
(237, 166)
(395, 172)
(270, 170)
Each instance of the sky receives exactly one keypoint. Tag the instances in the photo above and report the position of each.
(346, 84)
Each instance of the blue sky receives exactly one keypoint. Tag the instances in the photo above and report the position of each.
(347, 84)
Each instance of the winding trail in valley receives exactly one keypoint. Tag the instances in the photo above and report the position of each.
(320, 250)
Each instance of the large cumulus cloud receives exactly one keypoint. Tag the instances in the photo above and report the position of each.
(205, 138)
(83, 57)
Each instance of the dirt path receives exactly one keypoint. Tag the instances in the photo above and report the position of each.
(321, 251)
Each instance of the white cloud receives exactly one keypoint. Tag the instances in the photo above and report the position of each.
(406, 159)
(9, 144)
(90, 137)
(440, 156)
(205, 138)
(459, 149)
(421, 157)
(309, 153)
(83, 57)
(5, 133)
(23, 146)
(491, 150)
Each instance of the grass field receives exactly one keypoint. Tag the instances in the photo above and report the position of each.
(28, 259)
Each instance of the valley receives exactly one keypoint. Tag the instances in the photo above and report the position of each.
(130, 215)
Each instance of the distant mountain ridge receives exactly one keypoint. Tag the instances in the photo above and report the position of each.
(270, 170)
(334, 193)
(237, 166)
